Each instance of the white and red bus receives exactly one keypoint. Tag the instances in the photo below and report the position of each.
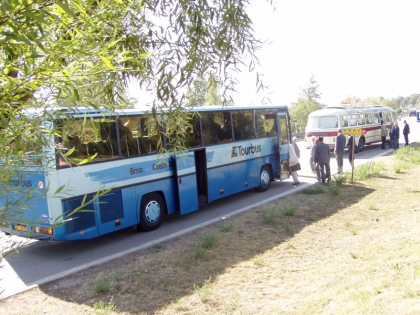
(325, 122)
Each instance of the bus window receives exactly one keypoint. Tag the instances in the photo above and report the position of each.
(138, 135)
(352, 121)
(327, 122)
(368, 118)
(193, 131)
(216, 127)
(387, 117)
(376, 119)
(266, 123)
(313, 122)
(88, 139)
(244, 125)
(361, 119)
(344, 121)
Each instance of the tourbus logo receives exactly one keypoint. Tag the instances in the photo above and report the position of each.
(241, 151)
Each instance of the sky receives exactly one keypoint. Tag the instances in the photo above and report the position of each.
(360, 48)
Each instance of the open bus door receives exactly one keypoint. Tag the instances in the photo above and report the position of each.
(283, 134)
(191, 180)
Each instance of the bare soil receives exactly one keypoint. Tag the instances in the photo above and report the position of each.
(353, 249)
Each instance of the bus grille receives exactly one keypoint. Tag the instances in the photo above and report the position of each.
(80, 220)
(111, 206)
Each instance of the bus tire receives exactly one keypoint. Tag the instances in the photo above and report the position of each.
(265, 179)
(361, 144)
(152, 210)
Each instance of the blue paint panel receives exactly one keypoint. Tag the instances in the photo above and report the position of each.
(220, 179)
(81, 219)
(187, 183)
(246, 172)
(111, 207)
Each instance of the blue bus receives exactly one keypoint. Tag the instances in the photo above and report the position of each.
(229, 150)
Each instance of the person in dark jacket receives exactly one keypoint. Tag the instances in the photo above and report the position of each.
(396, 136)
(391, 140)
(322, 157)
(406, 131)
(340, 144)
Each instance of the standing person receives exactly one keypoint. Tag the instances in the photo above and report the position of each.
(293, 160)
(406, 131)
(384, 133)
(340, 143)
(322, 157)
(315, 165)
(350, 145)
(295, 146)
(312, 154)
(396, 136)
(391, 130)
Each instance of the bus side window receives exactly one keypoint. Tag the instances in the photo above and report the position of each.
(376, 119)
(368, 118)
(243, 125)
(344, 121)
(361, 119)
(266, 123)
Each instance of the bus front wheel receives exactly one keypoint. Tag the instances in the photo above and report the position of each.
(361, 144)
(265, 179)
(152, 210)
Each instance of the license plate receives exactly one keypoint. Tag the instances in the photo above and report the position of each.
(19, 227)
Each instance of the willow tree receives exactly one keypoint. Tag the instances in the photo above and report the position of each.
(85, 52)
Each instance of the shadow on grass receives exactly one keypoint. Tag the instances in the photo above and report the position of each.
(154, 278)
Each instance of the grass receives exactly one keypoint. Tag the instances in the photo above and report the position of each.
(209, 241)
(290, 210)
(102, 285)
(204, 291)
(312, 191)
(101, 308)
(269, 216)
(352, 253)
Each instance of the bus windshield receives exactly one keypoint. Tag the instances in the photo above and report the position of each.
(323, 122)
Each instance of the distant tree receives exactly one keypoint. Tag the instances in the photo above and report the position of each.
(311, 90)
(306, 103)
(213, 96)
(196, 96)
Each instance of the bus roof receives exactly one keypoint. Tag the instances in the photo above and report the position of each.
(337, 110)
(82, 111)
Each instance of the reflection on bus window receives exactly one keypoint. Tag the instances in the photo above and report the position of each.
(313, 122)
(376, 119)
(138, 135)
(193, 132)
(266, 123)
(361, 119)
(326, 122)
(244, 125)
(93, 137)
(344, 120)
(284, 135)
(217, 127)
(368, 118)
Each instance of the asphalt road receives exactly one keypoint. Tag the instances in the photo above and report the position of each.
(39, 262)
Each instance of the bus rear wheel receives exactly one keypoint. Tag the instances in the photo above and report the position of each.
(152, 210)
(361, 144)
(265, 179)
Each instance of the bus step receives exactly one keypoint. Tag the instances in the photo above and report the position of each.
(202, 199)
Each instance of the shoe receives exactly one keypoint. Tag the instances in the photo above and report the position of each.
(294, 184)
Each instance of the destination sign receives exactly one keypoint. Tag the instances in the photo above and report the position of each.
(352, 131)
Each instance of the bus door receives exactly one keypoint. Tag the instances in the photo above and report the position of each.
(191, 170)
(283, 134)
